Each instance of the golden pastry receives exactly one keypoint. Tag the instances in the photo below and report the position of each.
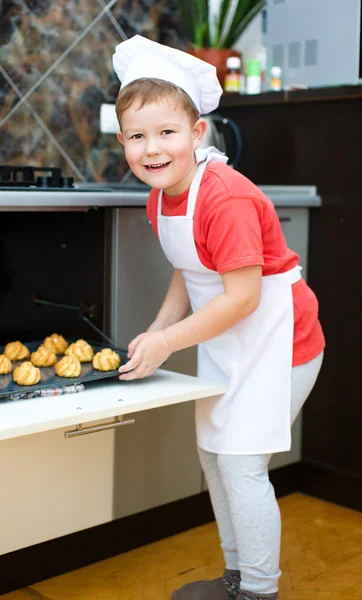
(5, 365)
(26, 374)
(68, 366)
(16, 351)
(106, 360)
(56, 343)
(81, 350)
(43, 357)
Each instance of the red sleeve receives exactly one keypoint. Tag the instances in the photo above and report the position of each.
(233, 233)
(151, 209)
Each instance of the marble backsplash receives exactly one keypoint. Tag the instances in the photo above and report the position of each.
(56, 71)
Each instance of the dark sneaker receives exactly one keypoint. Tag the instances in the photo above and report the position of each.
(223, 588)
(244, 595)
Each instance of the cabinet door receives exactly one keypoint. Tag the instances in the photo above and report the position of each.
(155, 460)
(54, 486)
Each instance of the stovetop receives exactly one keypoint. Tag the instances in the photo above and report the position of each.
(42, 179)
(14, 177)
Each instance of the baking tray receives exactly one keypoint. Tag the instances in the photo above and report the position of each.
(48, 376)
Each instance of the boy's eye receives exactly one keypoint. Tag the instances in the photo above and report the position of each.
(168, 131)
(136, 136)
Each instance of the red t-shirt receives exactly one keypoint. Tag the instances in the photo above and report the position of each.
(236, 225)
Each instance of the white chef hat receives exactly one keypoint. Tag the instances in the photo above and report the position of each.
(139, 57)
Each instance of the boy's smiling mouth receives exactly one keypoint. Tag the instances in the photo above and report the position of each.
(157, 166)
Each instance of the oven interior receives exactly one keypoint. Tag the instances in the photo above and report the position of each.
(60, 257)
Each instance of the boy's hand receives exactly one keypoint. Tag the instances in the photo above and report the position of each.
(146, 353)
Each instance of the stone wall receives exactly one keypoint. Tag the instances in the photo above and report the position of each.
(56, 71)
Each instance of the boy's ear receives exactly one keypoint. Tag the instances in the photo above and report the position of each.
(199, 132)
(120, 138)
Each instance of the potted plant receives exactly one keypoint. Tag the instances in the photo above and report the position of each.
(213, 33)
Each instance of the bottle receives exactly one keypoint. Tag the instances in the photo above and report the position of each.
(276, 79)
(261, 56)
(253, 77)
(233, 74)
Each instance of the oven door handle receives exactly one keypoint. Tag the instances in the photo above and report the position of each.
(119, 421)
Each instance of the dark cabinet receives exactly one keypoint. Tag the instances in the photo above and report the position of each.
(314, 138)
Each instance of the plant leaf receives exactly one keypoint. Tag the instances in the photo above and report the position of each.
(187, 19)
(243, 25)
(201, 11)
(220, 21)
(244, 12)
(195, 14)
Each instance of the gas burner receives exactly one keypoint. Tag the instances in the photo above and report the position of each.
(12, 177)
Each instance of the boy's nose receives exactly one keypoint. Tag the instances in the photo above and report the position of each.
(152, 148)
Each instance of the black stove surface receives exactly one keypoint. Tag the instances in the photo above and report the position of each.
(14, 177)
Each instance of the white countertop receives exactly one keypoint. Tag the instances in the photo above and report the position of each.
(126, 196)
(70, 200)
(100, 400)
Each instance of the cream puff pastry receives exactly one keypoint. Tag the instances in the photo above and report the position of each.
(5, 365)
(81, 350)
(43, 357)
(68, 366)
(16, 351)
(26, 374)
(56, 343)
(106, 360)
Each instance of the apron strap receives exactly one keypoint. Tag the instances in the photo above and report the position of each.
(194, 188)
(203, 157)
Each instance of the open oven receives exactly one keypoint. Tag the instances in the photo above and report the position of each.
(56, 256)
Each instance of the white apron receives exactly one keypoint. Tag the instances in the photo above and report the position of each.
(254, 357)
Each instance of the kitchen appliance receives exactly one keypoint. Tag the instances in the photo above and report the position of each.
(225, 135)
(316, 42)
(15, 178)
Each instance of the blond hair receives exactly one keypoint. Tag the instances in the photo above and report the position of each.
(148, 90)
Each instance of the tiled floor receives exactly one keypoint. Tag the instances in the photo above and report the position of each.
(321, 560)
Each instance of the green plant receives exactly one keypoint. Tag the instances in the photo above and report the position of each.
(227, 25)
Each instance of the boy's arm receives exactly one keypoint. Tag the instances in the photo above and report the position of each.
(241, 296)
(176, 304)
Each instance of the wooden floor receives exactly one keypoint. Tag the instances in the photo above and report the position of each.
(321, 560)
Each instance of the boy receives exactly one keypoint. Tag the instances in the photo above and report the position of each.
(254, 318)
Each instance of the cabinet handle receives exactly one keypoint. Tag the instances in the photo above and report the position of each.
(79, 430)
(285, 219)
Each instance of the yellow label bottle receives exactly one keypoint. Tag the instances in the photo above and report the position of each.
(233, 75)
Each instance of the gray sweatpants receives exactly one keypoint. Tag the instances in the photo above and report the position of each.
(243, 499)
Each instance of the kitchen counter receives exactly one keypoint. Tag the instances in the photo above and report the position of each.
(323, 94)
(119, 196)
(81, 198)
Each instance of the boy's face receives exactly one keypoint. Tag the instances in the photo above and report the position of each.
(160, 141)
